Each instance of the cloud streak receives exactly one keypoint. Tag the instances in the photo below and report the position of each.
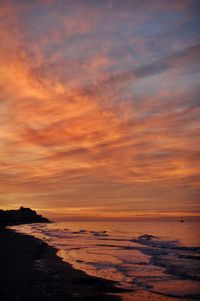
(98, 118)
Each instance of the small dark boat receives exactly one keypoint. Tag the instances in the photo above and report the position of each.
(181, 220)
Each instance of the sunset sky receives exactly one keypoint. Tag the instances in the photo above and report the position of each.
(99, 107)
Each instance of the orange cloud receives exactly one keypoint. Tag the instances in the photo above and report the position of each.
(71, 125)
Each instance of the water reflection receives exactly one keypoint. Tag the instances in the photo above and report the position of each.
(147, 257)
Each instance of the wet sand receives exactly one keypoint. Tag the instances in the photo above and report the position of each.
(30, 270)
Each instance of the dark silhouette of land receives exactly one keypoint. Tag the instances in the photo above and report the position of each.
(30, 269)
(21, 216)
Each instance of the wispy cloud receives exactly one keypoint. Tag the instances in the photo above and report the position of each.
(93, 114)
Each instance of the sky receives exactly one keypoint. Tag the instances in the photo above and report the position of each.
(100, 107)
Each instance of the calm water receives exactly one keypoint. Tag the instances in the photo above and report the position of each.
(155, 260)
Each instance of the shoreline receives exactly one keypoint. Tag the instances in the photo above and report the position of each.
(31, 270)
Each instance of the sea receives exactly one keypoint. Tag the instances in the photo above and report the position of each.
(151, 260)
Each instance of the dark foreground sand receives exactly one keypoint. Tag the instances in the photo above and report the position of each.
(30, 270)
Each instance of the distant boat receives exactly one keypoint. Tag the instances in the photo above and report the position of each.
(181, 220)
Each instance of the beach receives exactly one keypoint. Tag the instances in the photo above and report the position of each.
(30, 270)
(152, 261)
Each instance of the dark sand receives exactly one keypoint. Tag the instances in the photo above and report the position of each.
(30, 270)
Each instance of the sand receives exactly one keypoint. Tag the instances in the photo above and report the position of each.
(30, 270)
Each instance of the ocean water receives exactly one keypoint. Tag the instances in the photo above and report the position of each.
(152, 260)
